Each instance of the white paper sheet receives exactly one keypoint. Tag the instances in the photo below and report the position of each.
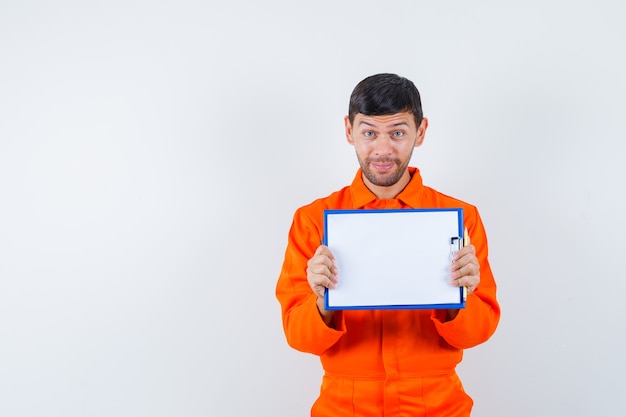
(393, 258)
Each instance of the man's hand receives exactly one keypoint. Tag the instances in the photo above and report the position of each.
(321, 271)
(465, 269)
(465, 272)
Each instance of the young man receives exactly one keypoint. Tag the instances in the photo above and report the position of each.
(385, 362)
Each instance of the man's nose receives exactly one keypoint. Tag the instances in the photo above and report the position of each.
(383, 145)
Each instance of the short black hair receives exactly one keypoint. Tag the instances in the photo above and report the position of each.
(384, 94)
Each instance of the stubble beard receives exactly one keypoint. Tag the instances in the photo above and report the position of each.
(385, 180)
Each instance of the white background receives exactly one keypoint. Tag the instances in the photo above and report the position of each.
(152, 154)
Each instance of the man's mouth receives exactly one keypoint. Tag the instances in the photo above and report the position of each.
(382, 166)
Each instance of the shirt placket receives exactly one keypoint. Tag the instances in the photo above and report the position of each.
(390, 362)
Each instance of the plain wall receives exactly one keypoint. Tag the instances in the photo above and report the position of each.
(152, 154)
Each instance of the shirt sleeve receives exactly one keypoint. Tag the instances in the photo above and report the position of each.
(304, 327)
(477, 322)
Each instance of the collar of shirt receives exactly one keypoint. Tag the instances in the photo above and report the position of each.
(410, 196)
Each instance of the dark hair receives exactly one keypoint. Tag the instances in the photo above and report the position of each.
(384, 94)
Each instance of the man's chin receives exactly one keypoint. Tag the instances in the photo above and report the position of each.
(383, 180)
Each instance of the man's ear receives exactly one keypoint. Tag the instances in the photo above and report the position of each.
(421, 132)
(346, 122)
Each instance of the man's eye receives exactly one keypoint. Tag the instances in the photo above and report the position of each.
(398, 134)
(368, 134)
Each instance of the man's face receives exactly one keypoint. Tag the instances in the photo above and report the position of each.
(384, 145)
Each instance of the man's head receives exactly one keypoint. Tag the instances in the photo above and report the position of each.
(384, 124)
(385, 94)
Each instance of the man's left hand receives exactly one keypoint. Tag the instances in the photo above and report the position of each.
(465, 269)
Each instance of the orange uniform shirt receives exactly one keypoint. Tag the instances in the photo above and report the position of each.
(384, 362)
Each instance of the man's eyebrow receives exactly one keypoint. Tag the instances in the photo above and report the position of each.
(363, 122)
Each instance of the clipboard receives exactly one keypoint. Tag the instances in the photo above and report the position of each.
(394, 258)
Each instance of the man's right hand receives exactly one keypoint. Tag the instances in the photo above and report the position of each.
(322, 273)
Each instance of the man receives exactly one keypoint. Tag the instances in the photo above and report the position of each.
(385, 362)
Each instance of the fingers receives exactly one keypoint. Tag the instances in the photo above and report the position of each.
(322, 271)
(465, 269)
